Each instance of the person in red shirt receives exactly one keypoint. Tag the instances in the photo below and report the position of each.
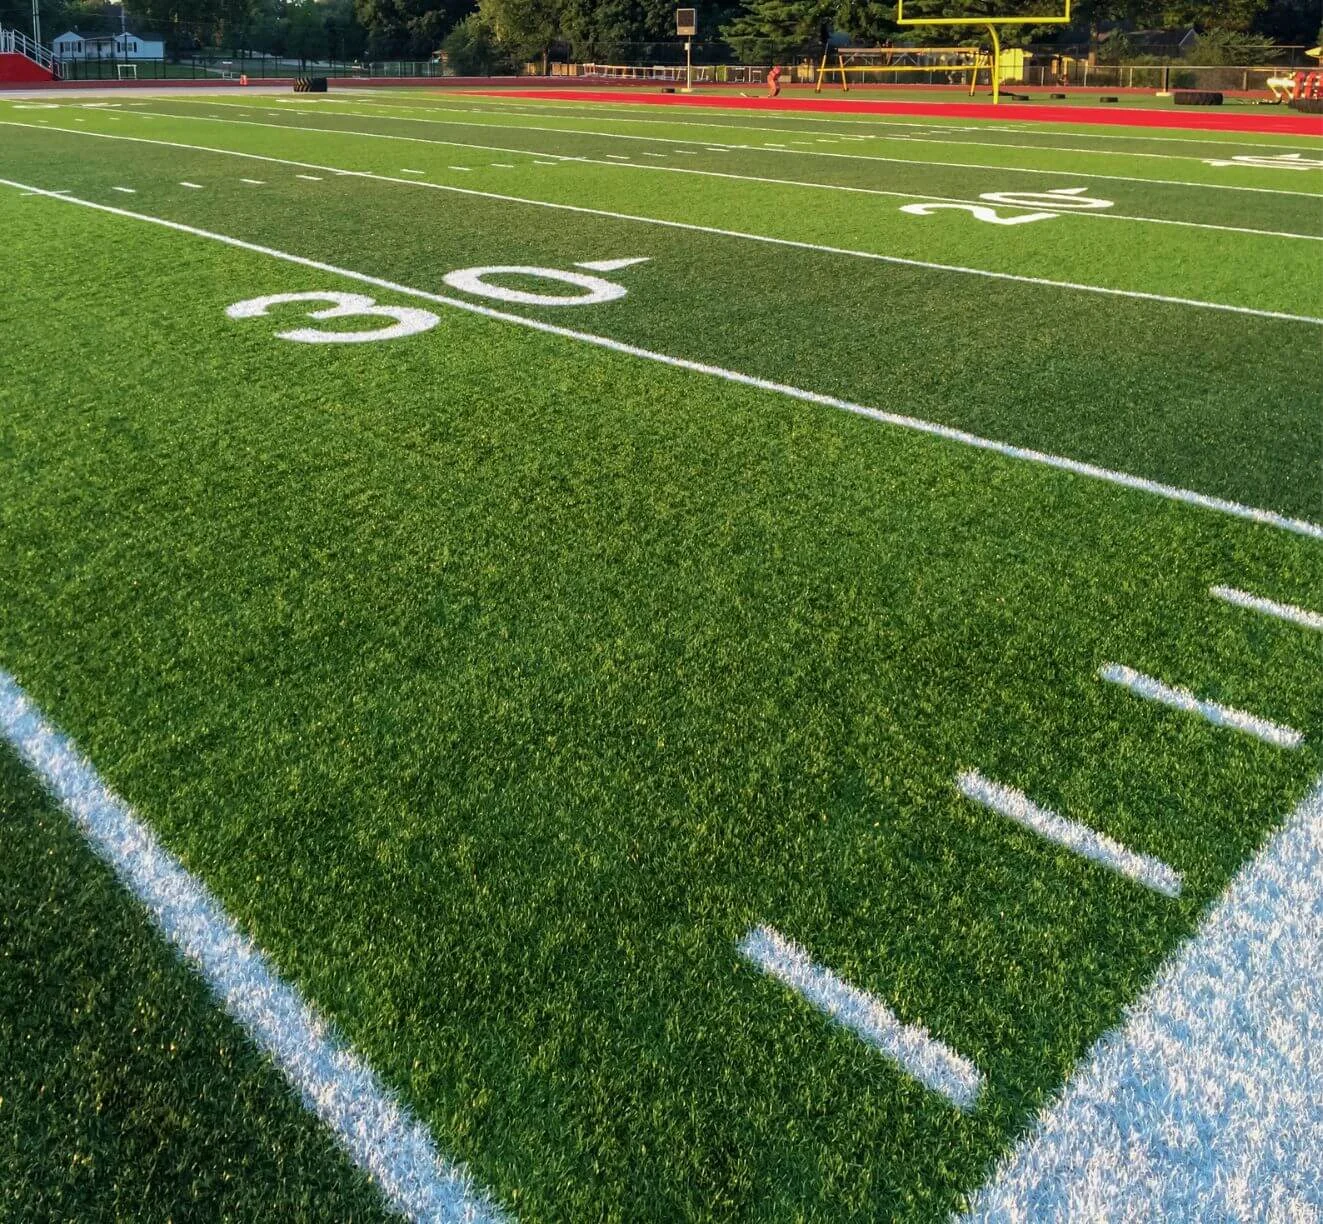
(774, 81)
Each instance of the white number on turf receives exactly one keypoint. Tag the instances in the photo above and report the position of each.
(595, 288)
(1058, 197)
(990, 215)
(408, 321)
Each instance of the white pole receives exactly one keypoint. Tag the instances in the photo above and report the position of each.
(36, 24)
(688, 67)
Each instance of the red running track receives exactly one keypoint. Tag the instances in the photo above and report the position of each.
(1289, 123)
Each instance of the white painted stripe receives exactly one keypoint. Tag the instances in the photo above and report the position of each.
(899, 261)
(379, 1133)
(193, 186)
(1287, 612)
(808, 185)
(125, 190)
(254, 182)
(1182, 699)
(406, 171)
(503, 165)
(1084, 841)
(546, 163)
(935, 1065)
(654, 154)
(991, 168)
(1267, 518)
(1205, 1103)
(466, 169)
(312, 178)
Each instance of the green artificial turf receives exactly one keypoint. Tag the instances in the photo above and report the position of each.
(124, 1094)
(497, 684)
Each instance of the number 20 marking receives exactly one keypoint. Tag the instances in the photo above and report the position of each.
(407, 321)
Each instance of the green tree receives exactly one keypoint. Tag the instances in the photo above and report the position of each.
(768, 31)
(526, 29)
(471, 49)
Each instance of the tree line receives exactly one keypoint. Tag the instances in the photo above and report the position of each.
(487, 36)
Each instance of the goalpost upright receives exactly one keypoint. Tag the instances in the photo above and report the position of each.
(988, 23)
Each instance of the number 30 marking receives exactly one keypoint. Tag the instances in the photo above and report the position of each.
(407, 320)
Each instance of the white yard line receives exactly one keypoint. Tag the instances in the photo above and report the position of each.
(1084, 841)
(1211, 711)
(707, 145)
(1267, 518)
(126, 190)
(381, 1136)
(1205, 1103)
(312, 178)
(254, 182)
(620, 161)
(1287, 612)
(900, 261)
(192, 186)
(628, 113)
(935, 1065)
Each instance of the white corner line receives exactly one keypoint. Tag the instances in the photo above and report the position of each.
(1204, 1103)
(1286, 612)
(1084, 841)
(380, 1134)
(1182, 699)
(935, 1065)
(1266, 518)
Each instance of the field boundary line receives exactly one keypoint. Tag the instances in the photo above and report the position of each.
(1204, 1102)
(1213, 712)
(1088, 843)
(613, 160)
(1269, 607)
(910, 1046)
(621, 113)
(381, 1135)
(705, 144)
(691, 227)
(1205, 501)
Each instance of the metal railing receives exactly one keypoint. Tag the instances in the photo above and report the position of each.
(14, 42)
(252, 67)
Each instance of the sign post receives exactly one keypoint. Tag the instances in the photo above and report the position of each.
(686, 26)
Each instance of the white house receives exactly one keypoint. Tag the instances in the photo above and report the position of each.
(127, 46)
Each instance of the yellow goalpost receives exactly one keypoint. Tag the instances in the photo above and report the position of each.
(973, 59)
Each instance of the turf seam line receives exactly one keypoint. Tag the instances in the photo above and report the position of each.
(1089, 843)
(1204, 1103)
(380, 1134)
(1267, 518)
(1256, 603)
(709, 147)
(1211, 711)
(690, 227)
(933, 1063)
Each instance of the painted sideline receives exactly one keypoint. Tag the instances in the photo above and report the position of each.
(899, 261)
(380, 1135)
(933, 1063)
(1267, 518)
(1207, 1104)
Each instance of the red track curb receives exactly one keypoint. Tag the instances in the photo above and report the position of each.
(1286, 123)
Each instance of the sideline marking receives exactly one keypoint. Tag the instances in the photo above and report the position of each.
(1204, 1105)
(1267, 518)
(1211, 711)
(934, 1064)
(1087, 842)
(690, 227)
(1255, 603)
(381, 1136)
